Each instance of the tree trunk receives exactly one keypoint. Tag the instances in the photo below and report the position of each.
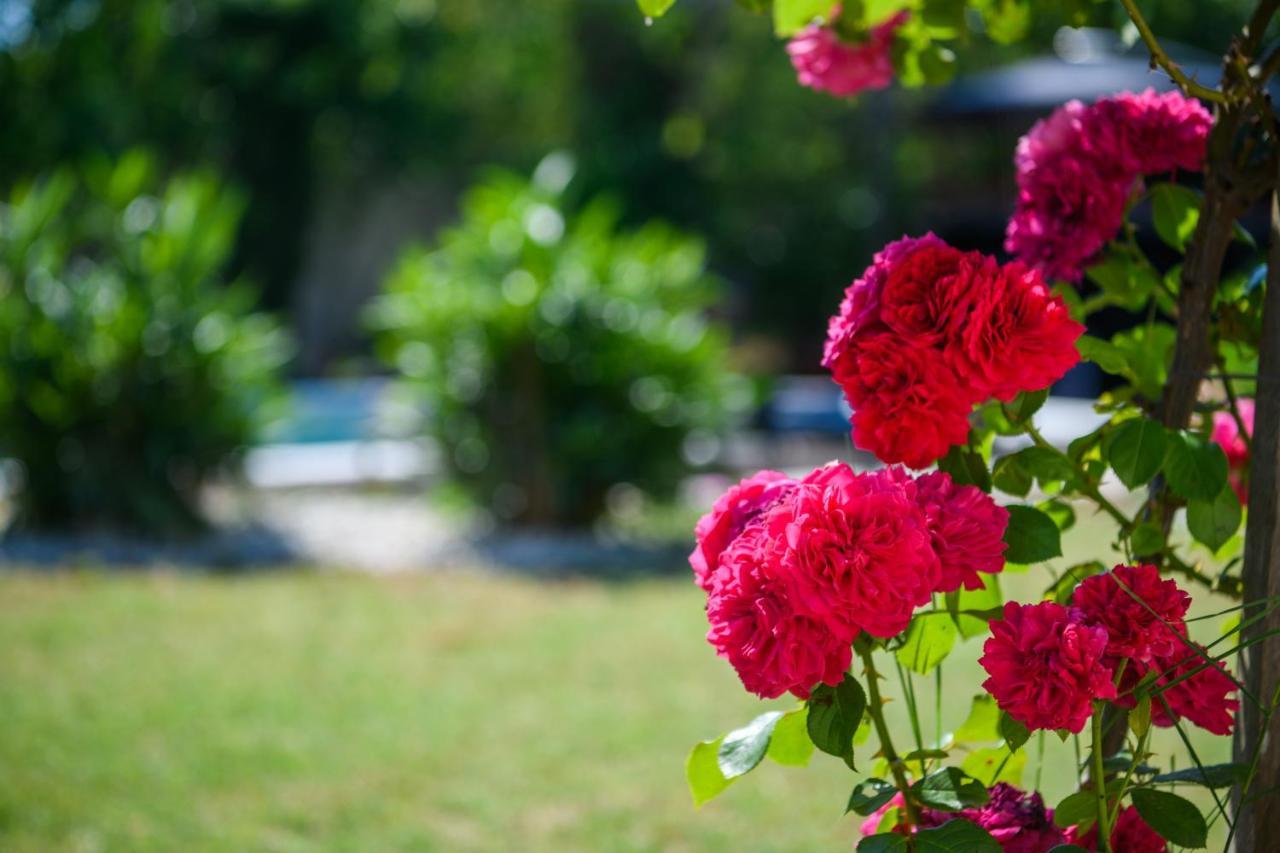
(1258, 823)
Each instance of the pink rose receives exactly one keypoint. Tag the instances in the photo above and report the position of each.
(730, 515)
(755, 627)
(826, 62)
(858, 556)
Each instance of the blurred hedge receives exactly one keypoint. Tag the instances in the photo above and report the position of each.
(128, 370)
(557, 355)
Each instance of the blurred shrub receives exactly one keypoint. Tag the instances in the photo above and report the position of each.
(559, 357)
(127, 370)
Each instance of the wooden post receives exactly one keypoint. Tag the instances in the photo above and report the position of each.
(1258, 822)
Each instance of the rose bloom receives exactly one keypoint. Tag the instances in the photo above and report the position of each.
(1131, 834)
(827, 63)
(1071, 198)
(732, 512)
(927, 294)
(1143, 623)
(967, 528)
(1020, 336)
(1206, 698)
(1153, 133)
(858, 552)
(908, 404)
(1226, 434)
(1046, 666)
(860, 308)
(1017, 820)
(755, 628)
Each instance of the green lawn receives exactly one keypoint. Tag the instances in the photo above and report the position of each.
(326, 711)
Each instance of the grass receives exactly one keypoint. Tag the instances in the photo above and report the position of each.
(300, 711)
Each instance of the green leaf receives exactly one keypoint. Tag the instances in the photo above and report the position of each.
(1215, 522)
(1075, 809)
(950, 789)
(1063, 588)
(1148, 352)
(1174, 818)
(1031, 536)
(1147, 539)
(703, 772)
(1028, 403)
(1137, 451)
(1175, 210)
(1126, 281)
(1044, 464)
(1067, 848)
(834, 716)
(990, 765)
(1195, 467)
(790, 745)
(884, 842)
(982, 724)
(742, 749)
(869, 795)
(989, 598)
(1102, 353)
(1011, 476)
(955, 836)
(1060, 511)
(1209, 775)
(966, 467)
(792, 16)
(1006, 21)
(1015, 733)
(929, 641)
(655, 8)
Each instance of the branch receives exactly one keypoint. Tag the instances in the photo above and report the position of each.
(1258, 24)
(1160, 58)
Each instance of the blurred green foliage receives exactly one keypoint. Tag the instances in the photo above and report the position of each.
(557, 355)
(128, 371)
(696, 119)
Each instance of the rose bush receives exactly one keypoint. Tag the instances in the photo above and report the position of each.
(938, 352)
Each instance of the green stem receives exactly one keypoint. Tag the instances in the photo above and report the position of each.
(875, 707)
(1099, 781)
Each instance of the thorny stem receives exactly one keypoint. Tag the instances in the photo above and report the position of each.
(875, 707)
(1159, 57)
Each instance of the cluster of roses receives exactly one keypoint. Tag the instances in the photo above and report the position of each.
(1078, 170)
(794, 570)
(1048, 663)
(1020, 823)
(928, 331)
